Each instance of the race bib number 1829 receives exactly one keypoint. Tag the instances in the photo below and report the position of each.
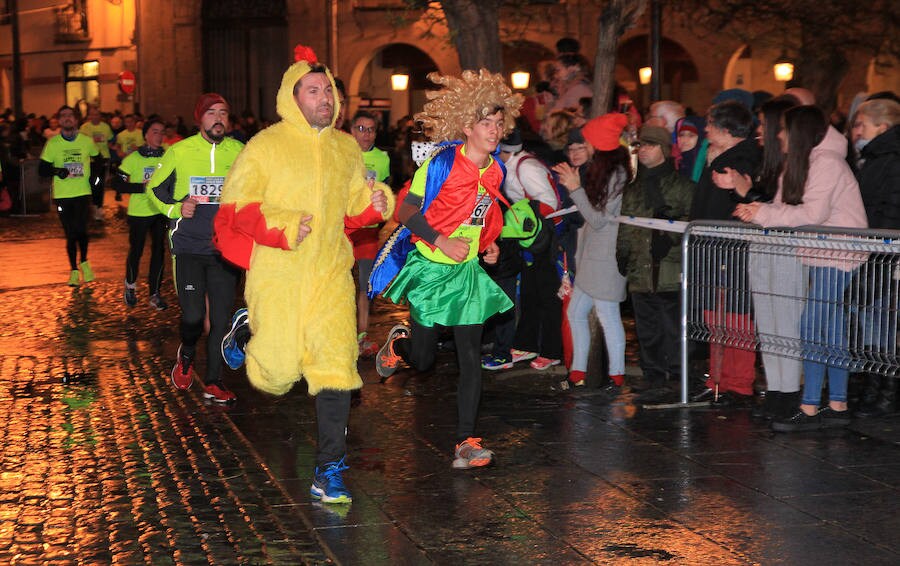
(206, 190)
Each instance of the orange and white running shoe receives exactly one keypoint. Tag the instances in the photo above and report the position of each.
(388, 360)
(470, 454)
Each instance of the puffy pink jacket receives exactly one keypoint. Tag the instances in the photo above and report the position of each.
(831, 197)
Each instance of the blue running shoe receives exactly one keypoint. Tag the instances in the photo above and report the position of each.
(492, 362)
(328, 484)
(232, 345)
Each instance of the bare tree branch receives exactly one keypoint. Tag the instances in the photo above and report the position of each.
(821, 35)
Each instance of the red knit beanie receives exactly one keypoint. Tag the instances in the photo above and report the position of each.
(205, 102)
(684, 126)
(603, 131)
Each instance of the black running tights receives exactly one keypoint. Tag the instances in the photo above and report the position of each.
(419, 352)
(196, 278)
(73, 214)
(138, 226)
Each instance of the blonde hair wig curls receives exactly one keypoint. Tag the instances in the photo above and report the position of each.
(465, 100)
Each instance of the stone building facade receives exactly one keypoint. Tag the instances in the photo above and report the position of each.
(180, 48)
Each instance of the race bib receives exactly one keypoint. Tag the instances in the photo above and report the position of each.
(148, 172)
(206, 190)
(482, 205)
(75, 169)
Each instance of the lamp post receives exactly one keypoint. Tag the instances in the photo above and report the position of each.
(645, 75)
(399, 80)
(520, 79)
(18, 107)
(400, 94)
(783, 68)
(655, 59)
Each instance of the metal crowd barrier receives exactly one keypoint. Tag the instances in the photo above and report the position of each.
(34, 191)
(734, 273)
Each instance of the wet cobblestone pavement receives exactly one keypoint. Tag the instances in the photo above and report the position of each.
(102, 462)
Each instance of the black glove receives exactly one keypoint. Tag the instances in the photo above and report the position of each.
(660, 245)
(664, 212)
(622, 262)
(61, 172)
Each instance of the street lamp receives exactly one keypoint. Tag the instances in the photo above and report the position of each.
(520, 79)
(784, 68)
(399, 80)
(645, 74)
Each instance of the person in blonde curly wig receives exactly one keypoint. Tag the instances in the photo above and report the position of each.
(451, 216)
(464, 101)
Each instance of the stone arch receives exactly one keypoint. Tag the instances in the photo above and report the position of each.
(370, 78)
(679, 70)
(882, 74)
(750, 67)
(528, 56)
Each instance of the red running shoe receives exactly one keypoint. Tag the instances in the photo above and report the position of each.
(183, 372)
(218, 393)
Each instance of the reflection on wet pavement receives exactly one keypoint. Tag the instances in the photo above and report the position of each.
(101, 462)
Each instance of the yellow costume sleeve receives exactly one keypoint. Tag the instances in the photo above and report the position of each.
(247, 183)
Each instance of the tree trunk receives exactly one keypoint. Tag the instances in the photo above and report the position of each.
(615, 19)
(821, 70)
(475, 31)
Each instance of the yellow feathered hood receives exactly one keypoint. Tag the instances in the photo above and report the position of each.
(285, 104)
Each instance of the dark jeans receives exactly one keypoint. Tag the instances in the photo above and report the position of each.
(419, 351)
(332, 414)
(73, 214)
(138, 227)
(196, 277)
(503, 324)
(657, 319)
(540, 310)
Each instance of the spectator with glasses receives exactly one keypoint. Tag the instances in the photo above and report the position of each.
(365, 237)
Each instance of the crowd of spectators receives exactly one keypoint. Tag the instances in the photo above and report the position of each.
(763, 158)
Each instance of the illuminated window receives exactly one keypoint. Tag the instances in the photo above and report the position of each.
(82, 80)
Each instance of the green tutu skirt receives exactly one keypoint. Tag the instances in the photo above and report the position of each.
(447, 294)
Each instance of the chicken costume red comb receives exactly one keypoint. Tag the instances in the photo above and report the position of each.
(304, 53)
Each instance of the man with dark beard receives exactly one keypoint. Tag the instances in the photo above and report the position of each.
(186, 188)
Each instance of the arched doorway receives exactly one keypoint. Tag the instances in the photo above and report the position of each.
(679, 73)
(882, 74)
(370, 83)
(245, 52)
(528, 56)
(751, 68)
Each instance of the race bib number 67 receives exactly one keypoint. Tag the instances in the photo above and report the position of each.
(206, 190)
(480, 211)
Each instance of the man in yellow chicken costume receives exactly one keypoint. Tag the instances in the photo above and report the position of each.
(282, 219)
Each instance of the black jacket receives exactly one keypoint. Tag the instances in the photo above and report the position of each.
(711, 202)
(879, 180)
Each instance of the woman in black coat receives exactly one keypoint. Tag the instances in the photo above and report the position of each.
(877, 129)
